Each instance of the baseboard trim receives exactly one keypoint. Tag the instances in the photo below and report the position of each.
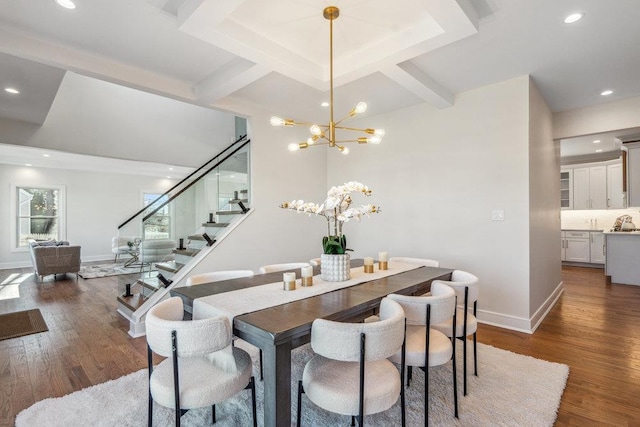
(26, 264)
(522, 324)
(544, 309)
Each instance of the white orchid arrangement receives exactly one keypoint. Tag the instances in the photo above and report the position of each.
(337, 210)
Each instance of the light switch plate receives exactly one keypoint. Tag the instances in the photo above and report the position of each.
(498, 215)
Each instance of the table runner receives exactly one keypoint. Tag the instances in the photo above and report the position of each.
(242, 301)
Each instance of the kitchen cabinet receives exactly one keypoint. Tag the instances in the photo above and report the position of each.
(615, 195)
(590, 187)
(577, 246)
(633, 174)
(597, 247)
(566, 189)
(623, 259)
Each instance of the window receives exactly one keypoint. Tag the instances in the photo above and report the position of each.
(158, 226)
(39, 214)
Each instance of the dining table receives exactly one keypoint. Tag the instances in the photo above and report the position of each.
(279, 329)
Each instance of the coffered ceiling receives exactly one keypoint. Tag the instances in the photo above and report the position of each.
(238, 55)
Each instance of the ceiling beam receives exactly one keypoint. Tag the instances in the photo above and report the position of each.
(228, 79)
(418, 82)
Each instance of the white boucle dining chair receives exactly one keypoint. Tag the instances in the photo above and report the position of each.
(282, 267)
(350, 373)
(420, 261)
(467, 290)
(425, 346)
(201, 367)
(216, 276)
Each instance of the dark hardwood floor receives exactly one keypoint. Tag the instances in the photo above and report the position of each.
(595, 329)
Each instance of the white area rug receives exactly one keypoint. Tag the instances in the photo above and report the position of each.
(103, 270)
(512, 390)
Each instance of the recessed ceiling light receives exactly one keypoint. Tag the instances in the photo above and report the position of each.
(573, 18)
(66, 4)
(11, 90)
(46, 155)
(606, 92)
(597, 141)
(325, 104)
(28, 164)
(168, 177)
(598, 151)
(170, 169)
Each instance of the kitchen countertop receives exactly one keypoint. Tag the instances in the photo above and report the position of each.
(632, 233)
(583, 229)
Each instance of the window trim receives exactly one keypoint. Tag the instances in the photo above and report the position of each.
(13, 203)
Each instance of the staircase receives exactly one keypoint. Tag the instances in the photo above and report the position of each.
(202, 210)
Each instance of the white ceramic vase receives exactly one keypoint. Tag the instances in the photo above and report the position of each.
(335, 268)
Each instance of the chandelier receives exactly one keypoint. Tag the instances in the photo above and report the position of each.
(326, 134)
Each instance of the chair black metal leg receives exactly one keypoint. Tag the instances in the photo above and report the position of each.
(261, 377)
(409, 375)
(464, 365)
(475, 353)
(300, 391)
(353, 421)
(150, 368)
(455, 379)
(213, 414)
(253, 402)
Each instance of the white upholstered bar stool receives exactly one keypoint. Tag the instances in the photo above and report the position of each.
(425, 346)
(350, 373)
(467, 290)
(201, 367)
(282, 267)
(420, 261)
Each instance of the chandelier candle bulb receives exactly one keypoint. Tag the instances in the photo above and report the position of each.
(368, 265)
(383, 259)
(289, 281)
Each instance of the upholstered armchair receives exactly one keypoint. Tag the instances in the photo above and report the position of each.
(50, 257)
(119, 245)
(156, 250)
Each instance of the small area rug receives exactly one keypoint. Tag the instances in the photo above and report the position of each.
(21, 323)
(512, 390)
(103, 270)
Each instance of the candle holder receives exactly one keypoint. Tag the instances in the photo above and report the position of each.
(307, 281)
(289, 286)
(368, 268)
(383, 265)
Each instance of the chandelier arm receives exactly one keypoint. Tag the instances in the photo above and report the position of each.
(354, 129)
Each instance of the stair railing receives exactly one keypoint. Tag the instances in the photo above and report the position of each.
(168, 192)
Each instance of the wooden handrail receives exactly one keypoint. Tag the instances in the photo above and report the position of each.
(166, 193)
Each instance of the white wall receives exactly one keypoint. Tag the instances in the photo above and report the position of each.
(437, 176)
(96, 204)
(544, 201)
(596, 119)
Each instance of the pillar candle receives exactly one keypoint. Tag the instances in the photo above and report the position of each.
(306, 271)
(368, 261)
(289, 277)
(382, 256)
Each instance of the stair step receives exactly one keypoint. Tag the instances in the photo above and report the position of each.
(151, 283)
(186, 252)
(214, 224)
(239, 200)
(170, 266)
(133, 302)
(228, 212)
